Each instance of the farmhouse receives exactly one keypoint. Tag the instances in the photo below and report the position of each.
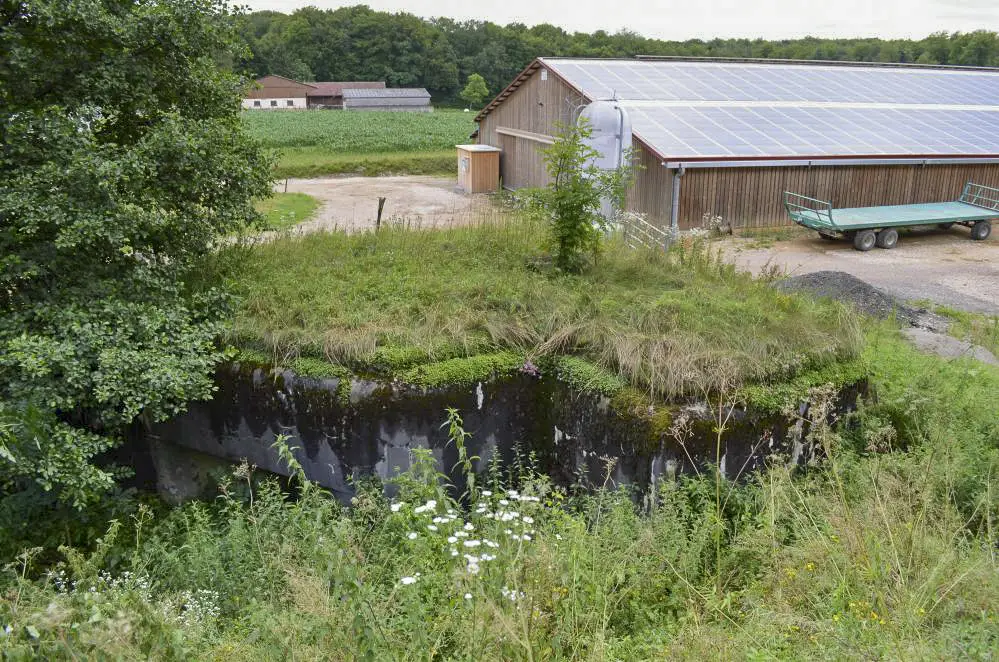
(280, 93)
(408, 99)
(727, 137)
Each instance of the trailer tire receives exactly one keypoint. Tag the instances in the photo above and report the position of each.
(828, 237)
(864, 240)
(887, 238)
(981, 230)
(945, 226)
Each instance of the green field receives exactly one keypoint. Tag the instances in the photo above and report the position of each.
(369, 143)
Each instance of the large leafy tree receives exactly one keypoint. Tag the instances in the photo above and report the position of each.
(122, 160)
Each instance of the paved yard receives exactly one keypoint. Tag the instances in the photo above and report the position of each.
(945, 267)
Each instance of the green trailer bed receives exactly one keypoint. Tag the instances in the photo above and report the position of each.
(976, 207)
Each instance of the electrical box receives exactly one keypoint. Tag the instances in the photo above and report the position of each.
(478, 168)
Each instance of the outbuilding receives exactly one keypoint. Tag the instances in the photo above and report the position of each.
(727, 137)
(407, 99)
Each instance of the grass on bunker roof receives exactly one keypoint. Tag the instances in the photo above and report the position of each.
(673, 324)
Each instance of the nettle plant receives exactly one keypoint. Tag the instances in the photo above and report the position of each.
(571, 203)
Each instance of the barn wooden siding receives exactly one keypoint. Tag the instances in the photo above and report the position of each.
(533, 110)
(752, 197)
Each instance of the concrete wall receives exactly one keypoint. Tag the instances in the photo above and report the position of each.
(370, 428)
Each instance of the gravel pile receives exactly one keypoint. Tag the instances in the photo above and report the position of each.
(866, 298)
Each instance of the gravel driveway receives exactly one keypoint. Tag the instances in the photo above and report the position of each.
(943, 266)
(351, 203)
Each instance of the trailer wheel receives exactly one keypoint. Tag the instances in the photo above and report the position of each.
(864, 240)
(828, 237)
(945, 226)
(981, 230)
(887, 238)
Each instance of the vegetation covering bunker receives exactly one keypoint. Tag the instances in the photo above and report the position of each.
(567, 417)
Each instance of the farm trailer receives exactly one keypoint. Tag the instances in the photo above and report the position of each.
(868, 227)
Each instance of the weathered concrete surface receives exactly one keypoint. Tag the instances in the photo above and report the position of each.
(948, 346)
(572, 436)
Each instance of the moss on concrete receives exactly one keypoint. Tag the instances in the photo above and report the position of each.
(586, 376)
(390, 360)
(462, 371)
(778, 397)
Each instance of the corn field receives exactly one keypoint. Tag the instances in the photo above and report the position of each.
(361, 132)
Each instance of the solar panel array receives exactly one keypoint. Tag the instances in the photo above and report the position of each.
(726, 110)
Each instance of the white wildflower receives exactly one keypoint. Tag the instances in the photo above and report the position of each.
(486, 493)
(406, 581)
(395, 507)
(452, 539)
(490, 543)
(431, 527)
(438, 520)
(558, 537)
(471, 559)
(526, 537)
(512, 493)
(468, 596)
(468, 526)
(504, 502)
(412, 535)
(473, 569)
(528, 520)
(471, 543)
(461, 534)
(488, 557)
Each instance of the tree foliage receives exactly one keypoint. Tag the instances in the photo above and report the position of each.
(571, 203)
(123, 160)
(475, 91)
(358, 43)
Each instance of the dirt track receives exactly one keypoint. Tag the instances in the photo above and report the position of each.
(351, 203)
(945, 267)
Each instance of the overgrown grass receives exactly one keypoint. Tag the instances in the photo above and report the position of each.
(319, 161)
(670, 325)
(885, 550)
(286, 210)
(311, 144)
(768, 237)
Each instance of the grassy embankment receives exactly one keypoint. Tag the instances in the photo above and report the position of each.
(435, 306)
(316, 143)
(886, 550)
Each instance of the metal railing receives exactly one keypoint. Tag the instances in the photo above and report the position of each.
(801, 207)
(980, 196)
(637, 231)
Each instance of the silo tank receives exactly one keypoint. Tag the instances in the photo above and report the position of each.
(611, 132)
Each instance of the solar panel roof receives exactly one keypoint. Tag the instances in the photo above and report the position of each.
(726, 110)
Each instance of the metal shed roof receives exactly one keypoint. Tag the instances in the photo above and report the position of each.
(686, 110)
(389, 93)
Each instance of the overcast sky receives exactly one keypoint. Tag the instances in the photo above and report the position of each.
(683, 19)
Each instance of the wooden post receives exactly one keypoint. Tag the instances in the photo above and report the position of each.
(378, 220)
(285, 184)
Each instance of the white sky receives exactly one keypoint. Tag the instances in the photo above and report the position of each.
(705, 19)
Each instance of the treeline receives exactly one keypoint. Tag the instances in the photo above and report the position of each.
(358, 43)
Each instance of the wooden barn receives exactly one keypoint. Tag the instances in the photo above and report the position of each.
(727, 137)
